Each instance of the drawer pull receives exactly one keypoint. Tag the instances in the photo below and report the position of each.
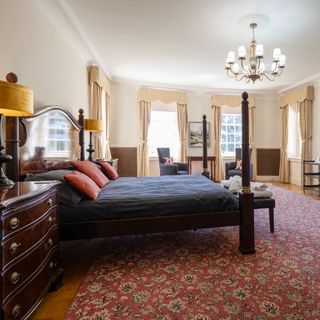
(50, 202)
(15, 277)
(16, 310)
(13, 247)
(14, 223)
(50, 219)
(52, 264)
(50, 242)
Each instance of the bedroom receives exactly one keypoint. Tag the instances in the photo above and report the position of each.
(49, 45)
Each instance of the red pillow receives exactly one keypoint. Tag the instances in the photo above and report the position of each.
(168, 160)
(91, 170)
(109, 170)
(83, 184)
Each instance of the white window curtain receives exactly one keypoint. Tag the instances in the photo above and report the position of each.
(143, 160)
(145, 97)
(99, 108)
(216, 141)
(303, 96)
(284, 163)
(231, 101)
(182, 119)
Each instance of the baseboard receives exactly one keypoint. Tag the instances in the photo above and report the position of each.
(268, 178)
(295, 181)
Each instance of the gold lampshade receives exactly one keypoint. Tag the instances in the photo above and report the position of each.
(93, 125)
(15, 100)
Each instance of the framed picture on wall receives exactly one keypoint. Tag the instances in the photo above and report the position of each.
(195, 134)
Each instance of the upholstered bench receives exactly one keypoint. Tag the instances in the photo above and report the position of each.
(266, 203)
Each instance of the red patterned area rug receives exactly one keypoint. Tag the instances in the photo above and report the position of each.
(201, 275)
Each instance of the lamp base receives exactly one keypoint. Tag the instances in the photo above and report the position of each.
(4, 180)
(90, 150)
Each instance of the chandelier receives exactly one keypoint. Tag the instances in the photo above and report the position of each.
(255, 69)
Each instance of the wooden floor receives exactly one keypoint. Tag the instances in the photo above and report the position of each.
(77, 257)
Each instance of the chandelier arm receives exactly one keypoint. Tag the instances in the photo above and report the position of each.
(270, 74)
(276, 67)
(232, 75)
(243, 76)
(241, 62)
(280, 72)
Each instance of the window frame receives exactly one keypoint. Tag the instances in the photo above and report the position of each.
(158, 106)
(295, 142)
(231, 111)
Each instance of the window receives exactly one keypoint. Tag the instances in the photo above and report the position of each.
(231, 133)
(294, 138)
(163, 129)
(58, 142)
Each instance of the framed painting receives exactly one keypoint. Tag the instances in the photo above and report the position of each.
(195, 134)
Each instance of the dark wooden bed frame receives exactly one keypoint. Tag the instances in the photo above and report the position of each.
(104, 228)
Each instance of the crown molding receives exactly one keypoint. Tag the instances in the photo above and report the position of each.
(314, 79)
(191, 90)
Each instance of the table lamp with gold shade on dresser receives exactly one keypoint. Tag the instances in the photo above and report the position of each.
(92, 125)
(15, 101)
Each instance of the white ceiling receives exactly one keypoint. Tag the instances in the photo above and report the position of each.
(184, 43)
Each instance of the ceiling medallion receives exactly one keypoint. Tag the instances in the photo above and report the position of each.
(255, 69)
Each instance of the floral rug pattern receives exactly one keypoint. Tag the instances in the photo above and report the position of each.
(201, 275)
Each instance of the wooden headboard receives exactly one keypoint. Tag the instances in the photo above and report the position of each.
(48, 139)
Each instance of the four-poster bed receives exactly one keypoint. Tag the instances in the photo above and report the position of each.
(31, 160)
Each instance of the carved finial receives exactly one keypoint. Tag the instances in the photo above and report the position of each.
(81, 111)
(245, 95)
(204, 117)
(12, 77)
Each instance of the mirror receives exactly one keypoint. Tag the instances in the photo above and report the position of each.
(48, 138)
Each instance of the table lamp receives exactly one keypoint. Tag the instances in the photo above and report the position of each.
(15, 101)
(92, 125)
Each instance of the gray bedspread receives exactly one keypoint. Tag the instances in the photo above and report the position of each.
(152, 196)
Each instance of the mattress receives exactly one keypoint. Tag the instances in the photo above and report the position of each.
(132, 197)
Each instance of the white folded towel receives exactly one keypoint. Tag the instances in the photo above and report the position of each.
(260, 190)
(262, 194)
(257, 186)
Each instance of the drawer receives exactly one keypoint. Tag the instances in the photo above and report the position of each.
(27, 213)
(23, 302)
(20, 243)
(20, 271)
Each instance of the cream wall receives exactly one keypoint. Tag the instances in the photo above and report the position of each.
(124, 115)
(267, 122)
(32, 48)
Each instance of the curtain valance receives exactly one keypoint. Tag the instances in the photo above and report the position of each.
(231, 100)
(96, 75)
(165, 96)
(298, 95)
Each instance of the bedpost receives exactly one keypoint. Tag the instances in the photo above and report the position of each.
(205, 171)
(81, 133)
(246, 196)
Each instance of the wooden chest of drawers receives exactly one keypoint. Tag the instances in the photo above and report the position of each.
(29, 246)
